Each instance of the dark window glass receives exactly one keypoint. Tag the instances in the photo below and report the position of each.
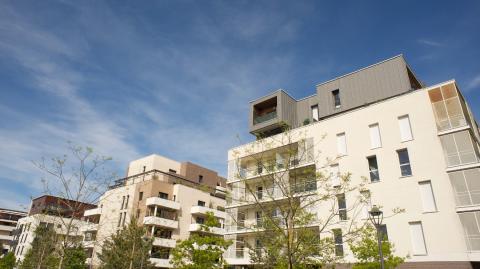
(163, 195)
(337, 235)
(201, 203)
(260, 193)
(336, 97)
(342, 206)
(140, 196)
(404, 160)
(172, 171)
(200, 178)
(373, 168)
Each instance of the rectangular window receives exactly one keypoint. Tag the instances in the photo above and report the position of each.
(172, 171)
(315, 112)
(258, 217)
(337, 237)
(405, 128)
(124, 217)
(428, 199)
(200, 220)
(373, 168)
(163, 195)
(201, 203)
(466, 186)
(140, 196)
(119, 220)
(342, 206)
(259, 192)
(470, 222)
(418, 238)
(458, 148)
(123, 202)
(334, 175)
(126, 201)
(341, 144)
(200, 178)
(375, 139)
(404, 160)
(336, 98)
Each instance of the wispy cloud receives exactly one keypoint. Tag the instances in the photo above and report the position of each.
(474, 83)
(430, 43)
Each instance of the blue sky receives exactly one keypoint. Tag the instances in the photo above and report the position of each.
(175, 77)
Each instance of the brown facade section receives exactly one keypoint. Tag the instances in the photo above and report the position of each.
(150, 188)
(57, 206)
(201, 175)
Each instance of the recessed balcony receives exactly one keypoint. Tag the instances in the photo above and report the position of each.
(7, 228)
(162, 203)
(88, 244)
(202, 210)
(93, 212)
(160, 222)
(197, 227)
(164, 242)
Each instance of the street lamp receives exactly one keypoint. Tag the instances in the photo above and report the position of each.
(376, 217)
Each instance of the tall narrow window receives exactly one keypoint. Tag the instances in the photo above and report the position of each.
(336, 98)
(405, 128)
(404, 160)
(314, 112)
(140, 196)
(200, 178)
(418, 238)
(341, 144)
(338, 238)
(259, 192)
(123, 202)
(126, 201)
(373, 168)
(342, 206)
(124, 218)
(375, 139)
(119, 219)
(428, 199)
(258, 217)
(334, 175)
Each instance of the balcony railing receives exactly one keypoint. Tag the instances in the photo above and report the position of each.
(265, 117)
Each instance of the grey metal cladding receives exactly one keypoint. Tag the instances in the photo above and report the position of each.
(370, 84)
(374, 83)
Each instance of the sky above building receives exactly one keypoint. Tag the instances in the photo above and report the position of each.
(175, 77)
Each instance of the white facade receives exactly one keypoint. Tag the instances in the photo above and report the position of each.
(8, 222)
(436, 185)
(26, 230)
(157, 193)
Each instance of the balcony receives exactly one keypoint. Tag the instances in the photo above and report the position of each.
(164, 263)
(164, 242)
(160, 222)
(196, 227)
(93, 212)
(7, 228)
(238, 255)
(6, 237)
(88, 244)
(202, 210)
(163, 203)
(89, 227)
(220, 191)
(265, 117)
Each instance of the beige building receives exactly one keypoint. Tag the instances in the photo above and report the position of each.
(168, 197)
(8, 222)
(417, 147)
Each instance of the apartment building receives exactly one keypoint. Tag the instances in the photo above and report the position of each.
(53, 212)
(417, 147)
(8, 222)
(170, 198)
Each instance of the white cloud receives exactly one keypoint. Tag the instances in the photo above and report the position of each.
(430, 43)
(474, 83)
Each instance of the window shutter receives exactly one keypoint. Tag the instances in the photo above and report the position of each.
(375, 139)
(418, 239)
(341, 144)
(428, 199)
(405, 128)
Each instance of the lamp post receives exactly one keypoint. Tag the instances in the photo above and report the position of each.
(376, 217)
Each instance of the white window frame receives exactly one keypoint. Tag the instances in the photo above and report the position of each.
(429, 203)
(315, 112)
(417, 232)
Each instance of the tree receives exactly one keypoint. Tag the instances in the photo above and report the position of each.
(75, 258)
(42, 253)
(365, 250)
(8, 261)
(297, 199)
(202, 250)
(127, 249)
(80, 177)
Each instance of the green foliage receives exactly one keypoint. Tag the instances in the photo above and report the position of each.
(42, 253)
(365, 249)
(8, 261)
(306, 121)
(129, 246)
(202, 250)
(75, 258)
